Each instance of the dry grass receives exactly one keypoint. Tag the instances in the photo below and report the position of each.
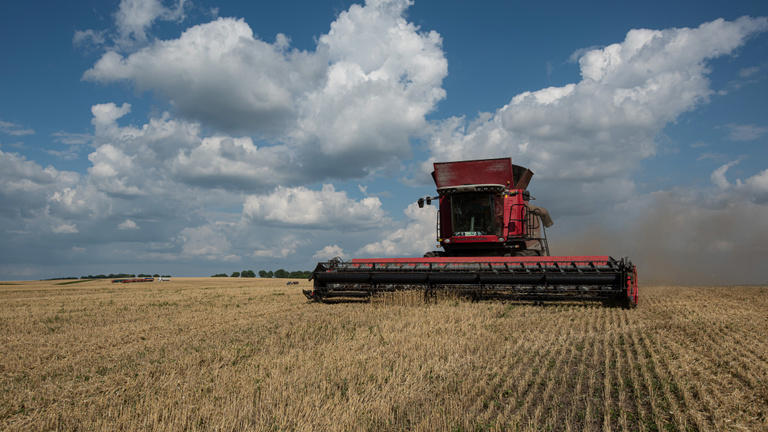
(240, 354)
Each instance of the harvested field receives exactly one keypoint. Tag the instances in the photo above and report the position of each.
(250, 354)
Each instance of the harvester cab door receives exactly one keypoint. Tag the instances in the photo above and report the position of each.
(515, 211)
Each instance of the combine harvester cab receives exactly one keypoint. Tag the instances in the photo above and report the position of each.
(494, 246)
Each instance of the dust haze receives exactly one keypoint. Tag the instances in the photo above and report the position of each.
(684, 240)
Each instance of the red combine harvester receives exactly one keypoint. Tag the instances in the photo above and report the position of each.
(494, 246)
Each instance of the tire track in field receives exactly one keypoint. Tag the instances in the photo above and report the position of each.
(583, 394)
(492, 396)
(529, 374)
(608, 372)
(660, 405)
(620, 374)
(640, 394)
(706, 387)
(522, 372)
(595, 372)
(493, 402)
(662, 380)
(535, 380)
(583, 400)
(577, 403)
(561, 397)
(687, 402)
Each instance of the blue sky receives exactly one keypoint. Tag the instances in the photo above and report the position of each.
(202, 137)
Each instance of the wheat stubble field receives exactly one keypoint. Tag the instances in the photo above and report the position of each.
(248, 354)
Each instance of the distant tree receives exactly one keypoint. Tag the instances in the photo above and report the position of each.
(282, 273)
(166, 276)
(235, 274)
(220, 275)
(157, 275)
(248, 274)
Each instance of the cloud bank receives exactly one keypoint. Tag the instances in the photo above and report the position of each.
(246, 161)
(588, 138)
(343, 110)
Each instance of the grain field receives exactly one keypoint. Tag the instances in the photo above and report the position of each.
(247, 354)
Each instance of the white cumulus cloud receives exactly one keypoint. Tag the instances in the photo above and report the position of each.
(65, 229)
(303, 207)
(134, 17)
(26, 187)
(14, 129)
(596, 131)
(234, 163)
(127, 225)
(345, 109)
(746, 132)
(413, 239)
(282, 249)
(328, 252)
(753, 188)
(207, 242)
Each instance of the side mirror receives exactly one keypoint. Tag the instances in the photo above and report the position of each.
(429, 200)
(420, 202)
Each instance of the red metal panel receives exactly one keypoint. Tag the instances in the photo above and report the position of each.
(436, 260)
(485, 171)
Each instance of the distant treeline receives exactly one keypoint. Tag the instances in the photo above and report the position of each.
(279, 273)
(120, 275)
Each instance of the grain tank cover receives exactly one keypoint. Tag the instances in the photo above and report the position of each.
(484, 171)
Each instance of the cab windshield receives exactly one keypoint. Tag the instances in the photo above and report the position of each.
(473, 214)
